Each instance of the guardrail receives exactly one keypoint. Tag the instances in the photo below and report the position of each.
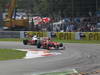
(21, 34)
(9, 34)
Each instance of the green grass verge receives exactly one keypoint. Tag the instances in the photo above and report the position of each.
(79, 41)
(58, 73)
(10, 39)
(9, 54)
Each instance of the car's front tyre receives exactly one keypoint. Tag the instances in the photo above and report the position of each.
(25, 42)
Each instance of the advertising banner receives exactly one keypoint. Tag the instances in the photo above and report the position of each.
(38, 34)
(65, 35)
(78, 35)
(93, 36)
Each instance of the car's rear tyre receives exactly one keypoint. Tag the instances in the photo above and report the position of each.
(61, 45)
(39, 45)
(25, 42)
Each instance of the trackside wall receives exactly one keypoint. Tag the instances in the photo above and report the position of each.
(58, 35)
(78, 35)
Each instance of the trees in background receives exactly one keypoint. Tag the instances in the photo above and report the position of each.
(60, 8)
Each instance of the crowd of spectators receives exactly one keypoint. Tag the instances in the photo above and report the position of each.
(81, 24)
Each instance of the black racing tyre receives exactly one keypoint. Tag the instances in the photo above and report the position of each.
(39, 45)
(61, 45)
(48, 46)
(25, 42)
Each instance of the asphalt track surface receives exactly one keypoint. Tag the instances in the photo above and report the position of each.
(82, 57)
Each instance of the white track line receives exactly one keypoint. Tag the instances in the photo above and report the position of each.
(38, 53)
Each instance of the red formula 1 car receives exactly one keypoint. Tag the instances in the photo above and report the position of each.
(47, 44)
(29, 42)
